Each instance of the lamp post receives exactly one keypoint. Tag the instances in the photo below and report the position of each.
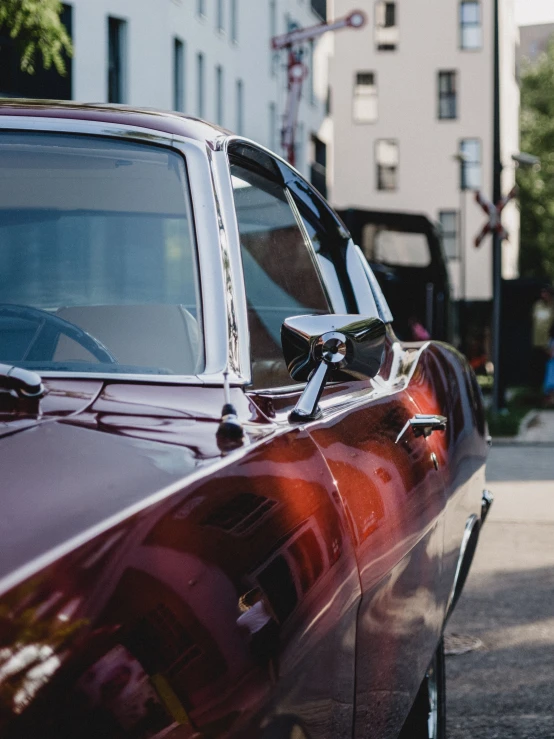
(462, 158)
(498, 390)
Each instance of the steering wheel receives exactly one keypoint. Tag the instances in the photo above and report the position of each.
(43, 344)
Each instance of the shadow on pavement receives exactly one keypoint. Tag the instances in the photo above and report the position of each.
(505, 689)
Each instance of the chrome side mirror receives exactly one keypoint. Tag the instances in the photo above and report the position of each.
(320, 348)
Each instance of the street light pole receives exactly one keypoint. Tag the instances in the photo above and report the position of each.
(498, 390)
(462, 159)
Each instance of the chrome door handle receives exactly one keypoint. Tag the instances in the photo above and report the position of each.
(423, 424)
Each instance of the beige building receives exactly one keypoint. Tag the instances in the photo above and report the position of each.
(412, 103)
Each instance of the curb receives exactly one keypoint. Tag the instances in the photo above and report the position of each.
(503, 441)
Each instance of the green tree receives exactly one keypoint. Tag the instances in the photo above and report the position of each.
(37, 27)
(536, 187)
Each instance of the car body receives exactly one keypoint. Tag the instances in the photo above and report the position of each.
(181, 555)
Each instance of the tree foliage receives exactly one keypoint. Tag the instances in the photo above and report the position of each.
(536, 186)
(41, 35)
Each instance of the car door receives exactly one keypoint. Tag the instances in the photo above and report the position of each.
(389, 486)
(393, 488)
(317, 621)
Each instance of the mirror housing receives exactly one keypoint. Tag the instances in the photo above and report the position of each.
(319, 348)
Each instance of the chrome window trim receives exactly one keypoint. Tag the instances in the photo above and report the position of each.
(232, 261)
(365, 299)
(236, 269)
(219, 359)
(355, 258)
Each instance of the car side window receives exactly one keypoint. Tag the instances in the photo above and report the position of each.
(280, 270)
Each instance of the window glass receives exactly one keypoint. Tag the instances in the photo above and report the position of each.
(365, 108)
(386, 153)
(386, 29)
(386, 246)
(178, 75)
(96, 237)
(326, 266)
(239, 107)
(219, 91)
(116, 60)
(234, 21)
(273, 123)
(200, 84)
(381, 306)
(471, 32)
(280, 273)
(449, 226)
(318, 167)
(447, 95)
(470, 150)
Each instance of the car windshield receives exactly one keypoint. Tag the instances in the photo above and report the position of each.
(97, 257)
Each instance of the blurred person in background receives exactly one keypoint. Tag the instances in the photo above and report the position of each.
(548, 385)
(542, 319)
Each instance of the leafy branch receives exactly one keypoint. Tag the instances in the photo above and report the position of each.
(37, 26)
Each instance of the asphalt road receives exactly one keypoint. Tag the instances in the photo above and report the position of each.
(505, 689)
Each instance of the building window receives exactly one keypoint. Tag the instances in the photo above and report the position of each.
(219, 16)
(449, 220)
(273, 32)
(116, 60)
(318, 168)
(200, 84)
(320, 7)
(234, 21)
(219, 95)
(471, 31)
(447, 95)
(201, 8)
(299, 147)
(311, 72)
(470, 150)
(365, 108)
(240, 107)
(386, 29)
(272, 126)
(178, 75)
(386, 156)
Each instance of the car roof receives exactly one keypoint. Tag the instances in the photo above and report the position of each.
(165, 121)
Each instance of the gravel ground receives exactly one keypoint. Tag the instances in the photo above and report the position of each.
(505, 688)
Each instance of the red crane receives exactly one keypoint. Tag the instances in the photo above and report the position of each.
(297, 71)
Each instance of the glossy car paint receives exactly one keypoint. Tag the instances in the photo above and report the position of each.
(134, 538)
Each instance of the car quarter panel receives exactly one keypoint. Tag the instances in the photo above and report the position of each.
(445, 384)
(395, 500)
(224, 602)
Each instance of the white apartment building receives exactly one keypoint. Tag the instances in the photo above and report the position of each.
(412, 107)
(207, 58)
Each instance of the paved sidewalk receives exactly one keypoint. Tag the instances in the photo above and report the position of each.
(538, 426)
(505, 689)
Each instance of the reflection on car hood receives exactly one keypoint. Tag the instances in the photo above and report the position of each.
(68, 474)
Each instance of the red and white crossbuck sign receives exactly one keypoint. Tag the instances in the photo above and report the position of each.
(494, 213)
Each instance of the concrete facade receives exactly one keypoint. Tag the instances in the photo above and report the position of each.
(534, 41)
(236, 59)
(428, 178)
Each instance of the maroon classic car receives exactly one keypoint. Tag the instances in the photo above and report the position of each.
(233, 503)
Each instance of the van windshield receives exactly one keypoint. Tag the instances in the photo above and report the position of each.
(97, 257)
